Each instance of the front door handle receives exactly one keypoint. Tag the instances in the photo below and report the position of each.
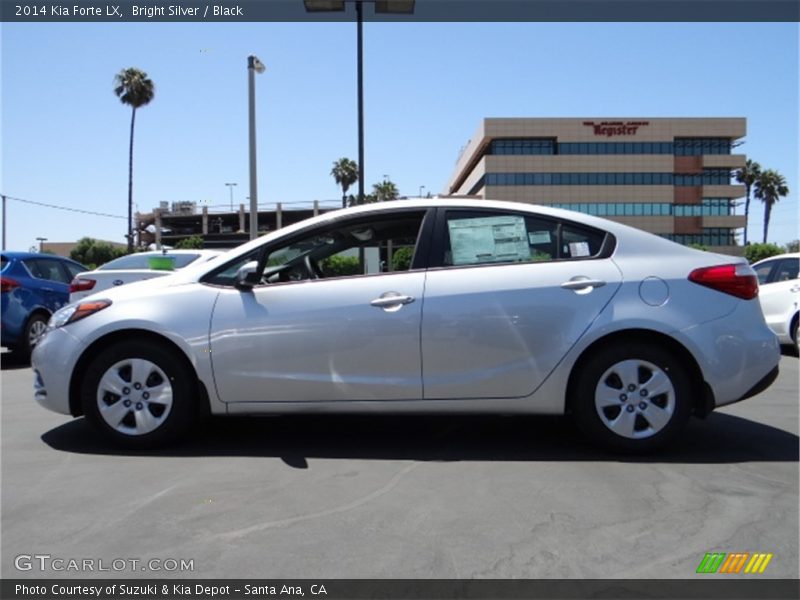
(392, 301)
(582, 283)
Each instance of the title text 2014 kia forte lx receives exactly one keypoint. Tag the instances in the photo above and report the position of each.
(421, 306)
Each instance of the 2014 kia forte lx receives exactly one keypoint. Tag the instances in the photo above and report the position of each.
(421, 306)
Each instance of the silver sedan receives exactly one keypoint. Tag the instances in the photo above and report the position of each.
(421, 306)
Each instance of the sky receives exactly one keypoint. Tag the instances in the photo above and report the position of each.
(427, 86)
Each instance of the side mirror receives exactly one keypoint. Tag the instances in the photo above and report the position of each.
(247, 277)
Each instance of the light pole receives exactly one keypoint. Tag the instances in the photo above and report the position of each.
(253, 66)
(231, 186)
(422, 187)
(392, 6)
(41, 241)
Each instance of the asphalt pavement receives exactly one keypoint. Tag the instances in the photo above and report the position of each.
(396, 497)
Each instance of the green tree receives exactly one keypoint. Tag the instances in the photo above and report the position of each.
(401, 260)
(340, 266)
(793, 246)
(134, 88)
(190, 243)
(93, 253)
(756, 252)
(345, 172)
(385, 191)
(769, 188)
(702, 247)
(748, 175)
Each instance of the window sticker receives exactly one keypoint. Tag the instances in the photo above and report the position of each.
(539, 237)
(579, 249)
(488, 240)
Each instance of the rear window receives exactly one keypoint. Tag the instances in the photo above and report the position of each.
(143, 261)
(3, 263)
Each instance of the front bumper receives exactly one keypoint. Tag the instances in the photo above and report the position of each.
(53, 361)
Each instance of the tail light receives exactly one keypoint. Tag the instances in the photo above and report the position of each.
(7, 284)
(81, 285)
(737, 280)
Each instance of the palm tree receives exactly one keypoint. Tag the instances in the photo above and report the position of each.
(748, 175)
(384, 191)
(134, 88)
(769, 188)
(345, 172)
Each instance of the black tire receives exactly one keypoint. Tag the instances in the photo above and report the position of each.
(33, 330)
(794, 335)
(160, 371)
(599, 385)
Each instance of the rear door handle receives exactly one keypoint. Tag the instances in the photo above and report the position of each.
(392, 301)
(582, 283)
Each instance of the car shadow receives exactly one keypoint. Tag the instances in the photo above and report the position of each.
(720, 438)
(11, 361)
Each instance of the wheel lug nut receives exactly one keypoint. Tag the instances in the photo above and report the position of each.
(630, 408)
(139, 406)
(643, 393)
(145, 395)
(642, 405)
(631, 387)
(137, 386)
(126, 403)
(126, 391)
(623, 397)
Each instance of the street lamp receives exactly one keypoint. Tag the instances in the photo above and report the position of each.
(41, 241)
(422, 187)
(253, 66)
(231, 186)
(388, 6)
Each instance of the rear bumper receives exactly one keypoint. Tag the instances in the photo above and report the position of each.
(767, 381)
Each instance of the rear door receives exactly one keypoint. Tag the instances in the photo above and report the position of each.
(51, 281)
(507, 297)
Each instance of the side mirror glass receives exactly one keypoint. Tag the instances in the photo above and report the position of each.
(247, 276)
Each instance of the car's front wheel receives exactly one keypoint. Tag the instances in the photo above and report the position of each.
(632, 397)
(139, 394)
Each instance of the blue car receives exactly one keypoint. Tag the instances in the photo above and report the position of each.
(32, 287)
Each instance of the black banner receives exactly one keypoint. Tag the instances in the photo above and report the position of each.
(118, 11)
(732, 588)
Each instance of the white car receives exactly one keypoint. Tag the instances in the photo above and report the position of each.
(135, 267)
(415, 306)
(779, 294)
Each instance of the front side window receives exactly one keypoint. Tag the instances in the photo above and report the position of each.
(382, 244)
(486, 237)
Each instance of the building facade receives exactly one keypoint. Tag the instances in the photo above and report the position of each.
(669, 176)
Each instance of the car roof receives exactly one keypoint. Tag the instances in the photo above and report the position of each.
(25, 255)
(786, 255)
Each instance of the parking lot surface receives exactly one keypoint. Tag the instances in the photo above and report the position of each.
(407, 497)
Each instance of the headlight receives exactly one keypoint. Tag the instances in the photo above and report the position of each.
(76, 312)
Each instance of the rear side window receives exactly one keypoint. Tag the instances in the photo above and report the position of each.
(49, 269)
(763, 271)
(787, 269)
(485, 237)
(3, 263)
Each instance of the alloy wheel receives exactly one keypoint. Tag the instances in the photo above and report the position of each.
(635, 399)
(134, 396)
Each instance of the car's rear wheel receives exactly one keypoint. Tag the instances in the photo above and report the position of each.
(632, 397)
(139, 394)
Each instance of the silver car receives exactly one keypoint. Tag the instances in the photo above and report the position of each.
(421, 306)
